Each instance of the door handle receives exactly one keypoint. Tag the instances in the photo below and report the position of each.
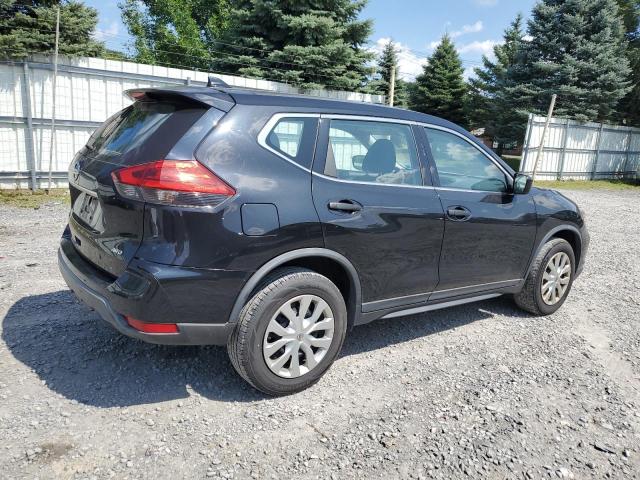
(348, 206)
(458, 214)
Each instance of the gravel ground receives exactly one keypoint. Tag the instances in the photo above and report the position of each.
(480, 390)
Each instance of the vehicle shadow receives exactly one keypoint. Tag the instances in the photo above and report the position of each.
(82, 358)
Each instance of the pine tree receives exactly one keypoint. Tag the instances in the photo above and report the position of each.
(381, 82)
(630, 105)
(28, 27)
(440, 90)
(578, 52)
(489, 107)
(307, 43)
(176, 33)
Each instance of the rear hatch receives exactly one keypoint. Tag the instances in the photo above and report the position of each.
(107, 228)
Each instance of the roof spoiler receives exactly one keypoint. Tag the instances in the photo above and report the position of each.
(211, 98)
(216, 82)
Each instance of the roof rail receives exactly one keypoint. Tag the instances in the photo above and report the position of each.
(216, 82)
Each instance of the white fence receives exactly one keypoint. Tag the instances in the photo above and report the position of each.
(88, 91)
(580, 151)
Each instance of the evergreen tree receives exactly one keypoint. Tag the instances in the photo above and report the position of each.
(308, 43)
(578, 52)
(175, 32)
(630, 13)
(28, 27)
(489, 107)
(440, 90)
(382, 81)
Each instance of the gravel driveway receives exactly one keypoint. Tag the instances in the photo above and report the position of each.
(481, 390)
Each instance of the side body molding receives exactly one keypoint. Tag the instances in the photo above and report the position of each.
(355, 302)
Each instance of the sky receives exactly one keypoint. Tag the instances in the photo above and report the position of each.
(416, 26)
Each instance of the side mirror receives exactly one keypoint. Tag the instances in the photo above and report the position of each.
(522, 184)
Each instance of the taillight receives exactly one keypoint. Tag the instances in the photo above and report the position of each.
(184, 183)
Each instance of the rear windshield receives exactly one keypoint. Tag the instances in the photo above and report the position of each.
(145, 131)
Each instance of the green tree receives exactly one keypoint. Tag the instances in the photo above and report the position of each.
(577, 51)
(381, 82)
(489, 107)
(630, 13)
(307, 43)
(175, 32)
(440, 89)
(28, 27)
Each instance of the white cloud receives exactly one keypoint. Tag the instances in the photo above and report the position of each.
(473, 28)
(469, 72)
(105, 33)
(484, 47)
(486, 3)
(409, 64)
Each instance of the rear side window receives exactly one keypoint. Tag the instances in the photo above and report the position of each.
(145, 131)
(295, 138)
(372, 152)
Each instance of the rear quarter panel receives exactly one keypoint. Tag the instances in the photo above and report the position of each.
(216, 240)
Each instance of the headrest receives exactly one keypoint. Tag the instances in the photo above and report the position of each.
(381, 157)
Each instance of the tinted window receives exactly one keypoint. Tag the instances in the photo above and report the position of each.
(376, 152)
(461, 165)
(289, 136)
(144, 131)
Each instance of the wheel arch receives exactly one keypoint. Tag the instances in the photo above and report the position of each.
(567, 232)
(326, 262)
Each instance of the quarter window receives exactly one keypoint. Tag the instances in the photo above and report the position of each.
(375, 152)
(288, 137)
(461, 165)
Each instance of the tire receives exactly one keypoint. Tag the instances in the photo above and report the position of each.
(248, 345)
(531, 298)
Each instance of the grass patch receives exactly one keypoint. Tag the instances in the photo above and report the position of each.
(589, 184)
(29, 199)
(513, 161)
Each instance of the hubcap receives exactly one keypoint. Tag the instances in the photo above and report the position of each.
(555, 279)
(298, 336)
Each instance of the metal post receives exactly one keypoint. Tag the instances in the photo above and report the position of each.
(29, 143)
(526, 147)
(564, 149)
(594, 168)
(544, 135)
(187, 81)
(53, 97)
(626, 160)
(392, 86)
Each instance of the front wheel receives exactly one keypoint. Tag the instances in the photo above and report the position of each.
(289, 332)
(549, 280)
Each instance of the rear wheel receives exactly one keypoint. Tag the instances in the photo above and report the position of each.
(289, 332)
(549, 280)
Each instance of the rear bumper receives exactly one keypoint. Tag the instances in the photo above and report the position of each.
(108, 298)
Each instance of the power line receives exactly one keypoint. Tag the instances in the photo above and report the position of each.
(228, 54)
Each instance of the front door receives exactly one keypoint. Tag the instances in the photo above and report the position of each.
(375, 210)
(489, 232)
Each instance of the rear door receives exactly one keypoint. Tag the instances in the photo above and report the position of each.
(375, 209)
(489, 231)
(107, 229)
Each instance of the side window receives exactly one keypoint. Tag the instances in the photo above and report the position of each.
(376, 152)
(461, 165)
(289, 135)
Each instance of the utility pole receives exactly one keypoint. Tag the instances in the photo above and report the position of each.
(53, 97)
(392, 85)
(544, 135)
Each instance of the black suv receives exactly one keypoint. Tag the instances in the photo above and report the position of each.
(274, 224)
